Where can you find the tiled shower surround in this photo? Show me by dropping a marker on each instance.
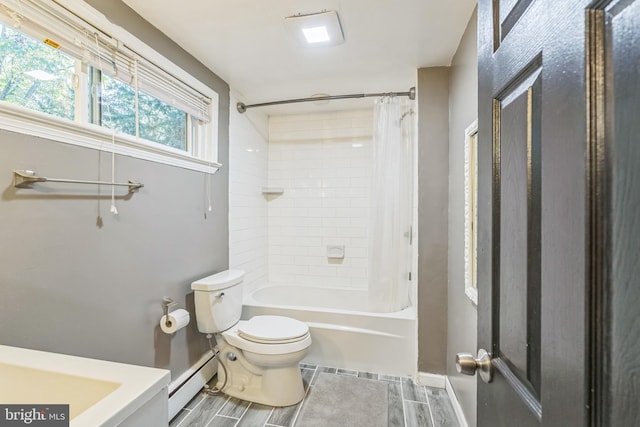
(248, 160)
(323, 162)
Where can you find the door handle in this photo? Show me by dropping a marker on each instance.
(468, 365)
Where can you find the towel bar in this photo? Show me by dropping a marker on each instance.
(26, 178)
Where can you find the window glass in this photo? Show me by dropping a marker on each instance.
(162, 123)
(35, 75)
(158, 121)
(117, 106)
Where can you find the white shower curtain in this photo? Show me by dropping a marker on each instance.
(391, 205)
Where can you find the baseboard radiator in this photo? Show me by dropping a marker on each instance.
(187, 385)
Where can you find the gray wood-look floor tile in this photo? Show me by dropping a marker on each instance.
(219, 421)
(368, 375)
(307, 377)
(194, 402)
(204, 411)
(255, 416)
(382, 377)
(441, 408)
(410, 405)
(396, 412)
(234, 408)
(321, 369)
(417, 414)
(411, 391)
(179, 417)
(284, 416)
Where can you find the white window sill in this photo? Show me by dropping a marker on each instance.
(22, 120)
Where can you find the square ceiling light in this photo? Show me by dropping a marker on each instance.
(316, 29)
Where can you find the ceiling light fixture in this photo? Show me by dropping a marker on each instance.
(316, 29)
(316, 34)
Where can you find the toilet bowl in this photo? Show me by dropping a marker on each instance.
(258, 358)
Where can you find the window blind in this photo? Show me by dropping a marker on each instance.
(62, 29)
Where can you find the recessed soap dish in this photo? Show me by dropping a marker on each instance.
(272, 190)
(335, 251)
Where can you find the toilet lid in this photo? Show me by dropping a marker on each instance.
(271, 329)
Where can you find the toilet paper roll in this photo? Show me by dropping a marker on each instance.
(178, 319)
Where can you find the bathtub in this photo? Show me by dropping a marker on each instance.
(99, 393)
(344, 334)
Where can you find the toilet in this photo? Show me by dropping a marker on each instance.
(258, 358)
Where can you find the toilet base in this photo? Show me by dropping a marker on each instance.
(275, 384)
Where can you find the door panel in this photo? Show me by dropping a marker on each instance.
(559, 211)
(623, 22)
(512, 304)
(518, 278)
(531, 276)
(507, 13)
(614, 88)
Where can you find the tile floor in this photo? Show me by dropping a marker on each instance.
(410, 405)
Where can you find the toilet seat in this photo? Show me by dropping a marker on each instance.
(264, 336)
(272, 329)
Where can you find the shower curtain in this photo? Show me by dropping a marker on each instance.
(391, 205)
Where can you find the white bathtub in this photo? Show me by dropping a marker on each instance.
(99, 393)
(344, 334)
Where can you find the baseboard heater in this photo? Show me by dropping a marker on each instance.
(187, 385)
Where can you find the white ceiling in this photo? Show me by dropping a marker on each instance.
(246, 43)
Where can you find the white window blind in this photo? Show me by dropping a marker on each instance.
(62, 29)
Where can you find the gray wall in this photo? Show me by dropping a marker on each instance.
(447, 319)
(433, 199)
(71, 286)
(462, 315)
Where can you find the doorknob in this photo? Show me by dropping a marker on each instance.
(467, 364)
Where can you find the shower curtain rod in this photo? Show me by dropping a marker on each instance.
(242, 107)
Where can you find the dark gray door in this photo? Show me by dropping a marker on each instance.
(559, 211)
(613, 101)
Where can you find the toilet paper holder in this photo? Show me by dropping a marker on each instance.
(166, 304)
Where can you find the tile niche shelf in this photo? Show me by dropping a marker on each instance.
(272, 191)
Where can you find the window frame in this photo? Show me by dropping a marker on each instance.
(81, 132)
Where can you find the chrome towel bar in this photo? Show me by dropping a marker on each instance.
(26, 179)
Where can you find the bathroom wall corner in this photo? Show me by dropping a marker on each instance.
(433, 199)
(462, 313)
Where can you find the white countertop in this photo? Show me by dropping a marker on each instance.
(138, 384)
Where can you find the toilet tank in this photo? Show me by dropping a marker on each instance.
(218, 301)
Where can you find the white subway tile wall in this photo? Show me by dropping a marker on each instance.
(248, 160)
(323, 162)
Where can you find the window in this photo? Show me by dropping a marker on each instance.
(157, 121)
(470, 211)
(55, 63)
(34, 75)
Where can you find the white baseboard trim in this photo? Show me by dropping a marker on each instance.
(455, 403)
(175, 384)
(431, 380)
(187, 385)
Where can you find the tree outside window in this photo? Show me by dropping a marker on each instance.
(34, 75)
